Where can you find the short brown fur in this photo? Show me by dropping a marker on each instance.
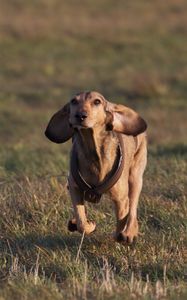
(92, 122)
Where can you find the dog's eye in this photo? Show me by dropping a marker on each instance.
(74, 101)
(97, 101)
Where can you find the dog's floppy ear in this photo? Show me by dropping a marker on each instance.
(125, 120)
(59, 129)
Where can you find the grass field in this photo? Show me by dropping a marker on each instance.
(133, 52)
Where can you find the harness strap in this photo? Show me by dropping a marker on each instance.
(94, 192)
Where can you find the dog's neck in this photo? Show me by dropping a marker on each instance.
(96, 153)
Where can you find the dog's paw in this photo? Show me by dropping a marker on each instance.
(87, 227)
(72, 226)
(125, 239)
(129, 235)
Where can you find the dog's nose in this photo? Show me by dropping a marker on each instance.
(81, 116)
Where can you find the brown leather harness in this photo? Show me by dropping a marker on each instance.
(93, 193)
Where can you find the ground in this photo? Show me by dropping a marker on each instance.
(133, 52)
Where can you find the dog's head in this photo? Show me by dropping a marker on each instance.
(91, 110)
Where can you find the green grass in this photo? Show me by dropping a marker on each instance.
(134, 53)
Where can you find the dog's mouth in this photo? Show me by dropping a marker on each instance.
(79, 125)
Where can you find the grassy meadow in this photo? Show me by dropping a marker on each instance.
(133, 52)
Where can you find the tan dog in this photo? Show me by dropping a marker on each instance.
(109, 154)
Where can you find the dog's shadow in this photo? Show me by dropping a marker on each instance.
(29, 248)
(49, 242)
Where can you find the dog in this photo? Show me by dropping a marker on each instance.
(109, 155)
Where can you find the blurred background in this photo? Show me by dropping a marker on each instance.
(134, 52)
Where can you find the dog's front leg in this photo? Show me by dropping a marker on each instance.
(120, 197)
(121, 210)
(127, 225)
(79, 222)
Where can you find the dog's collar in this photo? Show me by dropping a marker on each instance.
(94, 193)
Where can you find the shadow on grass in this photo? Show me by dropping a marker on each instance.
(58, 267)
(49, 242)
(27, 248)
(30, 242)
